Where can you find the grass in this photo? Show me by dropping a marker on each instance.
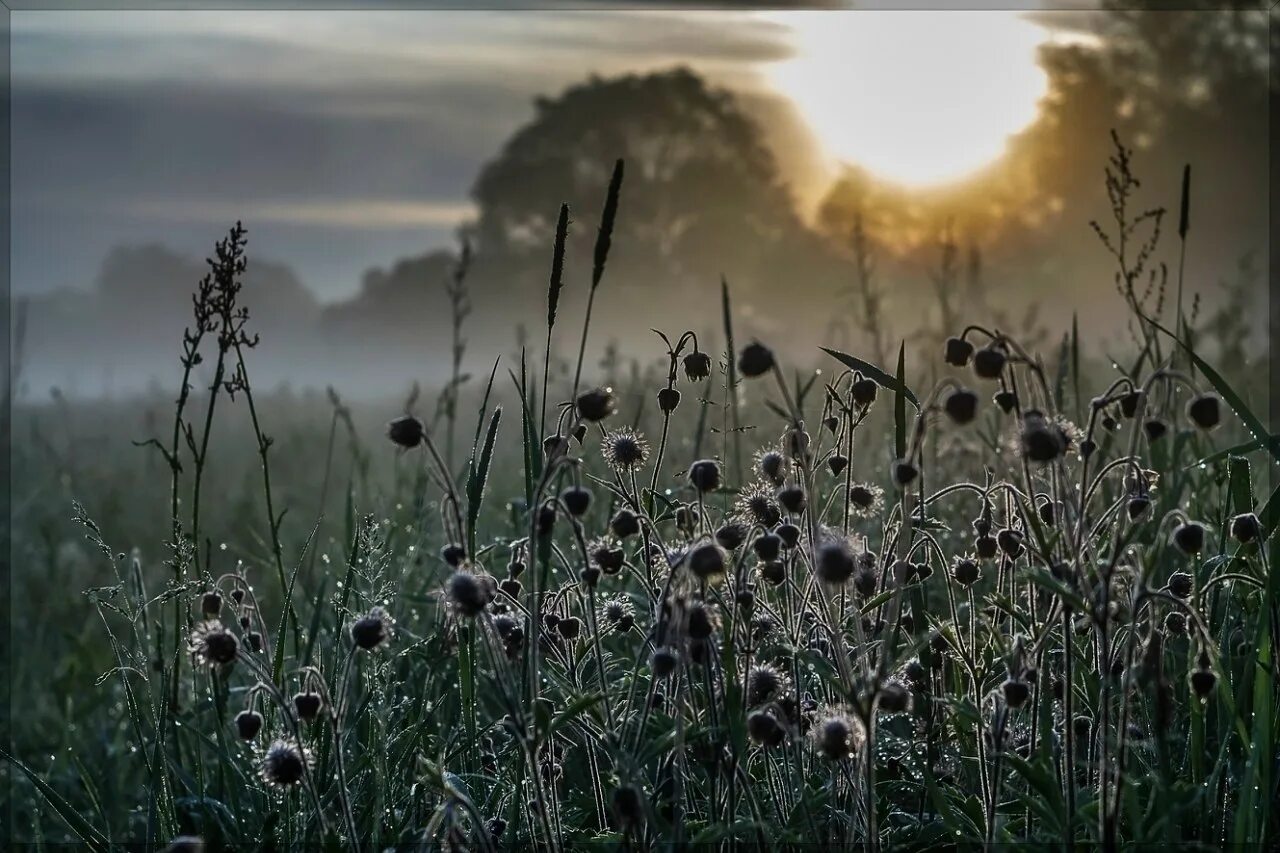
(873, 606)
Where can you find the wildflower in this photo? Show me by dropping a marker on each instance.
(1040, 441)
(407, 431)
(988, 362)
(624, 523)
(834, 561)
(767, 546)
(863, 391)
(663, 661)
(957, 352)
(697, 366)
(789, 534)
(986, 546)
(763, 684)
(961, 406)
(756, 359)
(966, 572)
(704, 475)
(1006, 400)
(372, 629)
(607, 556)
(756, 506)
(864, 582)
(211, 604)
(895, 698)
(772, 465)
(1155, 428)
(1129, 403)
(700, 620)
(466, 593)
(668, 400)
(836, 463)
(865, 499)
(792, 498)
(307, 705)
(705, 560)
(1245, 527)
(1138, 506)
(595, 405)
(618, 613)
(1189, 537)
(628, 806)
(453, 555)
(904, 473)
(1181, 584)
(576, 499)
(763, 728)
(248, 723)
(1016, 692)
(773, 572)
(1205, 411)
(569, 627)
(212, 644)
(624, 449)
(1203, 681)
(284, 764)
(837, 735)
(731, 535)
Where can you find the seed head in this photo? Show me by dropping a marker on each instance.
(307, 705)
(697, 366)
(668, 400)
(1155, 428)
(895, 698)
(1202, 682)
(211, 604)
(211, 644)
(763, 728)
(904, 473)
(1006, 400)
(767, 546)
(466, 594)
(624, 523)
(1245, 527)
(756, 506)
(755, 360)
(961, 406)
(1205, 411)
(834, 561)
(792, 498)
(988, 362)
(774, 572)
(837, 735)
(706, 560)
(1041, 440)
(406, 431)
(772, 466)
(248, 724)
(1189, 537)
(595, 405)
(663, 662)
(763, 684)
(453, 555)
(836, 463)
(789, 534)
(284, 764)
(863, 391)
(731, 535)
(1016, 692)
(624, 449)
(373, 629)
(957, 352)
(704, 475)
(577, 500)
(966, 572)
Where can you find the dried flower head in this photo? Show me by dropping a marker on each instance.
(624, 449)
(284, 764)
(764, 684)
(866, 500)
(756, 506)
(211, 644)
(372, 629)
(837, 733)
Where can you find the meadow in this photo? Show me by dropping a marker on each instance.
(981, 594)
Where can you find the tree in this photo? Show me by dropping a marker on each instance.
(702, 196)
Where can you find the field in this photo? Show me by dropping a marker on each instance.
(980, 594)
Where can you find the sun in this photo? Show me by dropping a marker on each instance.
(916, 98)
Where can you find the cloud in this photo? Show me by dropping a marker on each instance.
(341, 213)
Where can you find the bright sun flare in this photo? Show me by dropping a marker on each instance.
(917, 98)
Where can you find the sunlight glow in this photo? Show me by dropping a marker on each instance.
(916, 98)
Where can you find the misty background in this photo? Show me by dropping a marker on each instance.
(359, 149)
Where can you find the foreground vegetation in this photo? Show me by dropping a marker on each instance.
(727, 604)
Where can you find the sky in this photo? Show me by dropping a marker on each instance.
(348, 140)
